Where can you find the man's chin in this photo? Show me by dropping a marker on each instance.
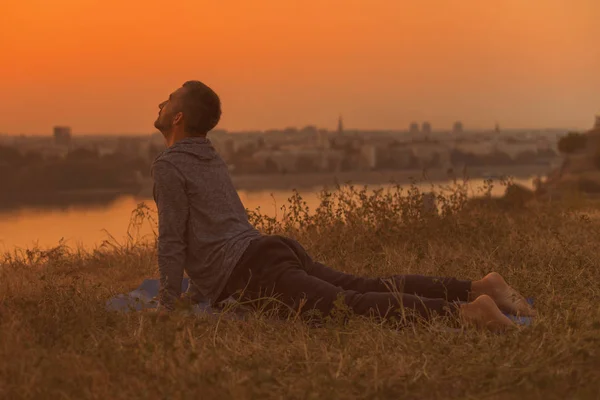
(161, 129)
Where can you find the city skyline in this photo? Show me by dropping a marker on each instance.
(383, 65)
(492, 128)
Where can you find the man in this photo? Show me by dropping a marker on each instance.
(204, 230)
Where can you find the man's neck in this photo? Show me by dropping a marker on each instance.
(178, 137)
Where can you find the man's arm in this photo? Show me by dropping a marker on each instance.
(173, 212)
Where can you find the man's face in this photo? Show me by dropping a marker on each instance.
(167, 113)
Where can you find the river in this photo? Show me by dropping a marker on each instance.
(89, 226)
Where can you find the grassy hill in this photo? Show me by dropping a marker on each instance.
(58, 341)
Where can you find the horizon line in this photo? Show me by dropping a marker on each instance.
(349, 130)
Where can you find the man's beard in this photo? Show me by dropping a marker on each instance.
(162, 125)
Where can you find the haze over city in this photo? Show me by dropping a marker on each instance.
(382, 63)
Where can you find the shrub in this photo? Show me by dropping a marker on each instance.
(572, 142)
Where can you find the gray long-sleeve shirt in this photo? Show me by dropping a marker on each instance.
(203, 227)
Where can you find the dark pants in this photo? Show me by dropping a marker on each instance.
(279, 267)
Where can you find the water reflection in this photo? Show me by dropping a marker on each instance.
(89, 226)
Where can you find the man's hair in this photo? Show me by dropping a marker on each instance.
(201, 108)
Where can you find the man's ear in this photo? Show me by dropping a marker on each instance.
(178, 118)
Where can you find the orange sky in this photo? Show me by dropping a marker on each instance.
(103, 66)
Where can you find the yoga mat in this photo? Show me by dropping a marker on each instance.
(522, 320)
(144, 298)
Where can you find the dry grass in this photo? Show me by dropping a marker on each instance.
(58, 341)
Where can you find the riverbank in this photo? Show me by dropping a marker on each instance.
(274, 182)
(90, 224)
(63, 199)
(317, 181)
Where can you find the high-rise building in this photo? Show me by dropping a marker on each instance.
(340, 127)
(426, 127)
(62, 135)
(458, 127)
(597, 125)
(413, 127)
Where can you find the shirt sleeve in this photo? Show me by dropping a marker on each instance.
(173, 212)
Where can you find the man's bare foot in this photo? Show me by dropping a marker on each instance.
(506, 298)
(484, 313)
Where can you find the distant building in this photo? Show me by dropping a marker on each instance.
(62, 135)
(476, 148)
(458, 127)
(413, 128)
(426, 127)
(323, 139)
(369, 155)
(513, 149)
(497, 128)
(53, 151)
(395, 157)
(283, 161)
(309, 130)
(130, 145)
(597, 125)
(431, 155)
(340, 127)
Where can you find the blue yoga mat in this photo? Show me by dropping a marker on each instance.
(521, 320)
(144, 297)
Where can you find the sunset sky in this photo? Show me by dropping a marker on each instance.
(103, 66)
